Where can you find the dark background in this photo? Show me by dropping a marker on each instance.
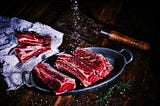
(132, 17)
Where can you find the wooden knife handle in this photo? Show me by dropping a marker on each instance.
(119, 37)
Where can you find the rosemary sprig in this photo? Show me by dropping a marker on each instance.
(108, 93)
(122, 85)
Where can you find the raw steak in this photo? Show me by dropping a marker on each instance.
(69, 63)
(56, 81)
(26, 52)
(88, 67)
(32, 38)
(31, 44)
(97, 62)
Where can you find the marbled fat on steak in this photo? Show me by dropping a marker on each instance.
(32, 38)
(87, 66)
(70, 64)
(31, 44)
(97, 62)
(56, 81)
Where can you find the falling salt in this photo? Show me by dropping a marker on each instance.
(106, 104)
(35, 103)
(77, 100)
(76, 17)
(87, 96)
(96, 96)
(41, 100)
(121, 93)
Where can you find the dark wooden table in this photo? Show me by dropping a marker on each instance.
(138, 82)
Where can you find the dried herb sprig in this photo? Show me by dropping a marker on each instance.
(119, 85)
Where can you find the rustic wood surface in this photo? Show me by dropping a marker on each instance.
(122, 16)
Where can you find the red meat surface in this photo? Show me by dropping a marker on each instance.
(97, 62)
(31, 44)
(32, 38)
(87, 66)
(26, 52)
(56, 81)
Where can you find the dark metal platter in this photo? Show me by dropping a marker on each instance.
(119, 60)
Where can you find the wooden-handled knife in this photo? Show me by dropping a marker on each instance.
(121, 38)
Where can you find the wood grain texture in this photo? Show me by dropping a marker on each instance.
(111, 15)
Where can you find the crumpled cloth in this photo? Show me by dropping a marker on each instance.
(13, 69)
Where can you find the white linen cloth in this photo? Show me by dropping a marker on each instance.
(8, 28)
